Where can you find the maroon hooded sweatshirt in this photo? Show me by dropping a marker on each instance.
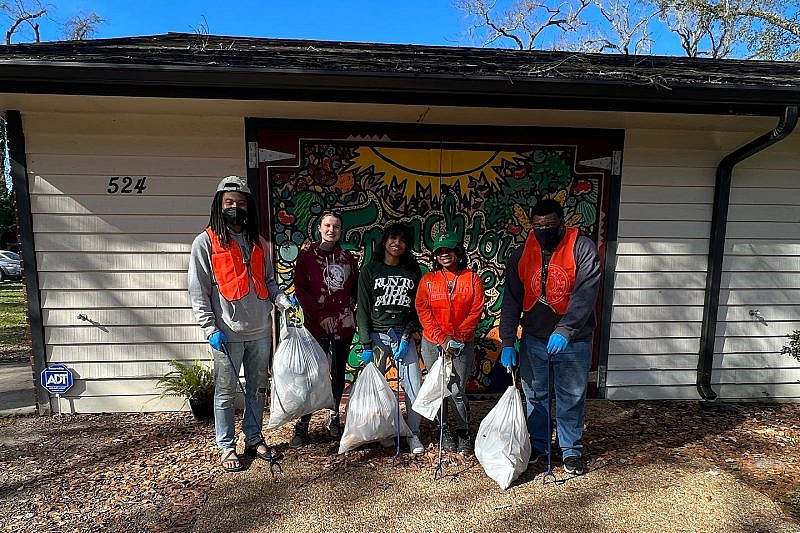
(326, 284)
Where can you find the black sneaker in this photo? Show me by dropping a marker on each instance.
(537, 456)
(574, 465)
(448, 444)
(464, 444)
(300, 438)
(334, 426)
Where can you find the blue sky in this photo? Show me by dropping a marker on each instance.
(406, 21)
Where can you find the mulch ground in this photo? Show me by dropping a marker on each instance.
(156, 472)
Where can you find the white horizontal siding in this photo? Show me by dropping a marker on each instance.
(758, 266)
(128, 316)
(100, 353)
(733, 392)
(80, 185)
(115, 242)
(113, 280)
(101, 261)
(120, 260)
(104, 298)
(122, 334)
(119, 402)
(659, 362)
(131, 224)
(662, 256)
(123, 205)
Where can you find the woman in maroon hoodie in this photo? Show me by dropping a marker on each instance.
(326, 283)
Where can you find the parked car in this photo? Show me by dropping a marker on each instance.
(10, 266)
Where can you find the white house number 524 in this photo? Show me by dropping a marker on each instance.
(125, 185)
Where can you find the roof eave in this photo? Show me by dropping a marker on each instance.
(218, 82)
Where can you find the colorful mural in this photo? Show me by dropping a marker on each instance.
(481, 193)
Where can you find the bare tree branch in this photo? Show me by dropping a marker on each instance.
(526, 24)
(22, 15)
(81, 27)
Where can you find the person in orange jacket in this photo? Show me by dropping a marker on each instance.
(449, 303)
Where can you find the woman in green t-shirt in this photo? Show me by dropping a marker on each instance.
(387, 317)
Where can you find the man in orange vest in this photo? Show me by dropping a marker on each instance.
(232, 291)
(550, 289)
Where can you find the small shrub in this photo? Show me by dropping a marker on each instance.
(793, 349)
(189, 380)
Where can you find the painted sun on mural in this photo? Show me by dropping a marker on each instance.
(482, 193)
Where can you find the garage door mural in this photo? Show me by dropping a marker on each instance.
(481, 191)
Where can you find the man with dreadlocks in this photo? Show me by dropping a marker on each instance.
(232, 290)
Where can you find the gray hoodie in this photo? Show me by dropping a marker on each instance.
(243, 320)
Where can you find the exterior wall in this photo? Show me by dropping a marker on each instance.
(761, 273)
(121, 259)
(665, 214)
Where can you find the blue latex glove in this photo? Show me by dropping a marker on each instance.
(367, 356)
(217, 341)
(401, 349)
(556, 344)
(508, 357)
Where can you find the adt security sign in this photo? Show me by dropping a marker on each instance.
(57, 379)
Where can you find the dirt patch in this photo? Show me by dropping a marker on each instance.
(104, 472)
(656, 466)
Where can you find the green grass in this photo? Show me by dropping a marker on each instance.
(14, 333)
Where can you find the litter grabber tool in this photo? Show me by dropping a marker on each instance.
(438, 472)
(271, 457)
(549, 475)
(388, 359)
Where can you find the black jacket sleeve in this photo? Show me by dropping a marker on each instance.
(584, 295)
(512, 300)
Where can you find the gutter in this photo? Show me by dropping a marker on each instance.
(236, 83)
(716, 248)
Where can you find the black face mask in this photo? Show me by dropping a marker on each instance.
(235, 216)
(548, 238)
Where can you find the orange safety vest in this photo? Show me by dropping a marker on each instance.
(561, 272)
(232, 273)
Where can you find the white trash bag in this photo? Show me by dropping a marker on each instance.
(434, 388)
(503, 445)
(301, 377)
(371, 411)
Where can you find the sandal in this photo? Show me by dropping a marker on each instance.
(230, 458)
(251, 450)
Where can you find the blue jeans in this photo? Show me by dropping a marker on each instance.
(570, 376)
(255, 356)
(408, 367)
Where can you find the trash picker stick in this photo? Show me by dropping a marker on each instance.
(439, 471)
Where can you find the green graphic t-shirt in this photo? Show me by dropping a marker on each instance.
(386, 297)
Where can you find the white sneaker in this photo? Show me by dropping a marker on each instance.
(415, 445)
